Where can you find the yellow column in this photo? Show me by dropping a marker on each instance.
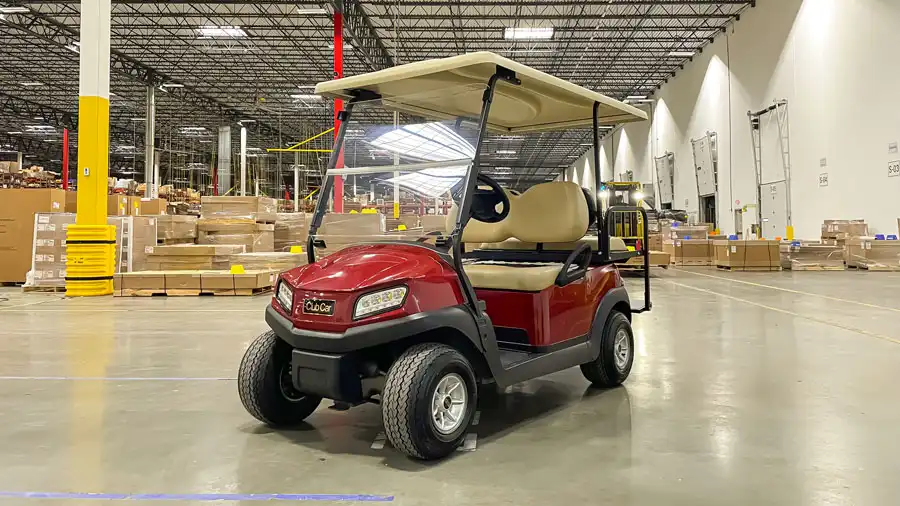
(90, 261)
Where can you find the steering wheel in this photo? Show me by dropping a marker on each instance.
(485, 201)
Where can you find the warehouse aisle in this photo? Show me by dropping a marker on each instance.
(766, 395)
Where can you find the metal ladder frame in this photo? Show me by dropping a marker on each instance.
(780, 109)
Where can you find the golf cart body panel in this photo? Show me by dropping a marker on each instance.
(545, 321)
(354, 271)
(450, 88)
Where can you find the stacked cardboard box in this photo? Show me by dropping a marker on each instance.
(176, 229)
(135, 239)
(259, 209)
(269, 261)
(692, 232)
(17, 210)
(434, 223)
(255, 237)
(71, 202)
(747, 255)
(138, 206)
(291, 229)
(117, 205)
(689, 252)
(184, 257)
(190, 283)
(246, 221)
(868, 253)
(809, 256)
(840, 230)
(9, 167)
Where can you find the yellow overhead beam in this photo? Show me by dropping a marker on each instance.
(295, 147)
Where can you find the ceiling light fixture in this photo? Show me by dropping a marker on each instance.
(171, 85)
(505, 152)
(14, 9)
(304, 11)
(635, 97)
(347, 45)
(681, 54)
(528, 33)
(14, 133)
(138, 119)
(306, 97)
(221, 31)
(33, 83)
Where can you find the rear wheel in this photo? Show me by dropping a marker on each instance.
(265, 385)
(613, 365)
(428, 401)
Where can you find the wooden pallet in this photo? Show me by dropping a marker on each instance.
(246, 292)
(44, 289)
(16, 284)
(748, 269)
(880, 268)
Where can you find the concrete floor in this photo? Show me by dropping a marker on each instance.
(748, 389)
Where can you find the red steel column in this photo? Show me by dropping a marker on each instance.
(338, 107)
(65, 159)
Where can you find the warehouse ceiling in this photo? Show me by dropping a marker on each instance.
(217, 63)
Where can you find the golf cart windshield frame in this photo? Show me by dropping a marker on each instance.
(469, 186)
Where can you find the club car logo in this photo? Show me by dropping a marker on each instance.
(322, 307)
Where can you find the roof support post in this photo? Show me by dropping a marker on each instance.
(338, 104)
(91, 243)
(149, 142)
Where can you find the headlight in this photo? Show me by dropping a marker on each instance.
(285, 296)
(379, 302)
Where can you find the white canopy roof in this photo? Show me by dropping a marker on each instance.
(450, 88)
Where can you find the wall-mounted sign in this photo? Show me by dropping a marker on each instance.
(894, 168)
(823, 179)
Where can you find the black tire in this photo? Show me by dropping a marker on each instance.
(606, 371)
(265, 386)
(408, 393)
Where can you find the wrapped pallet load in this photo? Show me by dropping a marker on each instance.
(291, 229)
(245, 221)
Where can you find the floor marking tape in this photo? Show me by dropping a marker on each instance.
(197, 497)
(836, 299)
(470, 443)
(379, 442)
(785, 311)
(108, 378)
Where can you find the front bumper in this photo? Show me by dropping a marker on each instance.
(372, 334)
(329, 364)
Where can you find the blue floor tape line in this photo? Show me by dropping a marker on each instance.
(105, 378)
(198, 497)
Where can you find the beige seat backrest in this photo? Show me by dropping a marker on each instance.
(548, 213)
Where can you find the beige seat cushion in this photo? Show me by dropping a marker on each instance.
(528, 278)
(615, 244)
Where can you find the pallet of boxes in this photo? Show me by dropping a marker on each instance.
(689, 246)
(878, 252)
(227, 226)
(734, 254)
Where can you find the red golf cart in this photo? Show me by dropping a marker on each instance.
(516, 288)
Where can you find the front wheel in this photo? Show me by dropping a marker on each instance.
(265, 385)
(429, 401)
(613, 365)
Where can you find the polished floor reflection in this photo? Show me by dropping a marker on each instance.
(768, 388)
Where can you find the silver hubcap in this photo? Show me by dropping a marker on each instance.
(622, 349)
(448, 404)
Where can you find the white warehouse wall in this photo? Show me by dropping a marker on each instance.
(835, 62)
